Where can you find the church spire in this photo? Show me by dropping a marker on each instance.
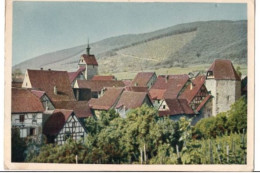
(88, 48)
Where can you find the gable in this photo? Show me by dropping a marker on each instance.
(26, 81)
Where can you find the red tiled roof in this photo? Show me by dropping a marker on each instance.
(108, 100)
(74, 75)
(98, 77)
(17, 84)
(137, 89)
(203, 103)
(175, 85)
(56, 121)
(24, 101)
(142, 78)
(46, 80)
(157, 94)
(131, 99)
(177, 107)
(127, 82)
(224, 69)
(190, 92)
(38, 93)
(98, 85)
(90, 59)
(80, 108)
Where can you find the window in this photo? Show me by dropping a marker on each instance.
(67, 135)
(34, 118)
(21, 118)
(23, 133)
(227, 99)
(164, 106)
(32, 131)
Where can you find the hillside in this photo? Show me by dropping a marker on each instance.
(177, 46)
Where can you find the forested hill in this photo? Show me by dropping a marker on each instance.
(179, 45)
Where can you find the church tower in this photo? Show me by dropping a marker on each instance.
(90, 64)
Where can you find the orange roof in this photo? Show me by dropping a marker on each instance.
(190, 92)
(74, 75)
(80, 108)
(157, 94)
(45, 80)
(98, 85)
(223, 70)
(131, 99)
(203, 103)
(142, 78)
(98, 77)
(108, 100)
(177, 107)
(90, 59)
(24, 101)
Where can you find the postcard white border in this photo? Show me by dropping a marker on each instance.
(124, 167)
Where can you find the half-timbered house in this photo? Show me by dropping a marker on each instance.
(27, 114)
(63, 124)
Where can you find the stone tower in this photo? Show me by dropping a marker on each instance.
(90, 64)
(224, 84)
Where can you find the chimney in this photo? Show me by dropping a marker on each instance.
(55, 90)
(191, 86)
(49, 69)
(41, 68)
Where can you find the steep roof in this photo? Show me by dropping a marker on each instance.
(24, 101)
(90, 59)
(137, 89)
(224, 70)
(203, 102)
(127, 82)
(38, 93)
(74, 75)
(175, 85)
(157, 94)
(190, 92)
(45, 80)
(98, 85)
(80, 108)
(99, 77)
(131, 99)
(56, 121)
(177, 107)
(142, 78)
(108, 100)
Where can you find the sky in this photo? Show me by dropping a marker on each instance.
(43, 27)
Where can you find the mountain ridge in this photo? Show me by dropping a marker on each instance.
(182, 44)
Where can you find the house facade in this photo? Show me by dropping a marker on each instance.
(27, 114)
(62, 125)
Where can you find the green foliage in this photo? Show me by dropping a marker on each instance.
(18, 146)
(144, 137)
(234, 120)
(237, 115)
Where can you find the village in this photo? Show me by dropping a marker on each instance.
(55, 104)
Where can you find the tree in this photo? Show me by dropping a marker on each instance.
(18, 146)
(237, 115)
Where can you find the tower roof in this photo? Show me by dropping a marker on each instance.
(90, 59)
(223, 70)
